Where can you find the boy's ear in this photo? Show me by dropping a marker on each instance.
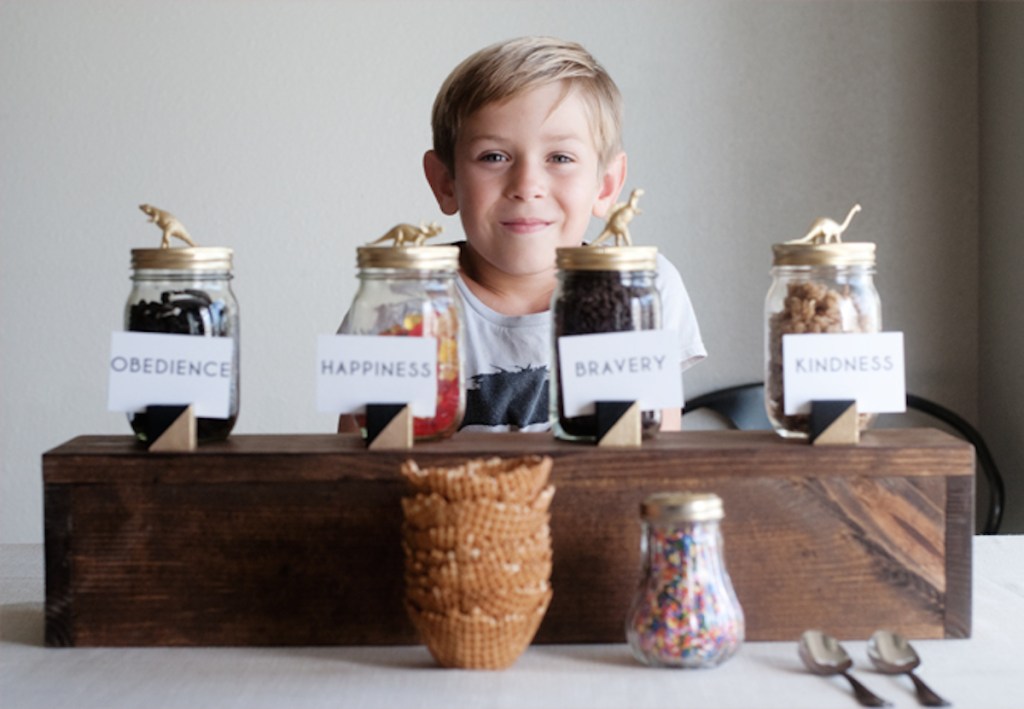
(441, 182)
(613, 178)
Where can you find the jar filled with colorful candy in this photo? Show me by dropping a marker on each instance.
(685, 613)
(407, 289)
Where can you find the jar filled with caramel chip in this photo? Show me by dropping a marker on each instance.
(820, 285)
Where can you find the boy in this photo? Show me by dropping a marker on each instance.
(526, 148)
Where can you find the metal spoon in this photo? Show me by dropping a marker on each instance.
(823, 655)
(892, 654)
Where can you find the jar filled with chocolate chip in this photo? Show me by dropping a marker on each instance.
(601, 289)
(186, 291)
(408, 290)
(820, 285)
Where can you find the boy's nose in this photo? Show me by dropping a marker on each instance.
(526, 181)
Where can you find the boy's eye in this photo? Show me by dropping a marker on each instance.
(492, 157)
(561, 158)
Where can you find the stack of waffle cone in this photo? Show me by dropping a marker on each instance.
(478, 557)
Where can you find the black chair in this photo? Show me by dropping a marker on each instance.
(742, 407)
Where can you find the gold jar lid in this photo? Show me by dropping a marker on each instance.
(402, 247)
(191, 258)
(835, 254)
(823, 246)
(413, 258)
(682, 507)
(607, 258)
(194, 258)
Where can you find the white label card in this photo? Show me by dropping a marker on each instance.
(154, 369)
(355, 370)
(868, 367)
(640, 366)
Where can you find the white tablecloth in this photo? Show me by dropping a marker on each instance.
(985, 671)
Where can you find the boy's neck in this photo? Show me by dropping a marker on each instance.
(505, 293)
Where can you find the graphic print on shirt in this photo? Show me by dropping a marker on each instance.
(518, 397)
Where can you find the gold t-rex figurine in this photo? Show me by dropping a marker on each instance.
(406, 234)
(826, 231)
(618, 221)
(169, 223)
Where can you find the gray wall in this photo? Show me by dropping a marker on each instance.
(292, 132)
(1001, 302)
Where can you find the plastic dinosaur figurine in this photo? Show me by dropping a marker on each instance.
(826, 231)
(618, 221)
(169, 223)
(406, 234)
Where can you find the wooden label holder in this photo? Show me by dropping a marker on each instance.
(388, 426)
(618, 424)
(834, 422)
(171, 429)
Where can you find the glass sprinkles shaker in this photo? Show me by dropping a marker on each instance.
(685, 613)
(819, 285)
(408, 289)
(185, 291)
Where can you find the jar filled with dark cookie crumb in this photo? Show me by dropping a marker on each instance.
(186, 291)
(817, 288)
(602, 289)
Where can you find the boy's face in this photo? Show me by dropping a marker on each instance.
(527, 179)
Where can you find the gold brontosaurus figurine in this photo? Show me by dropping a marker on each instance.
(826, 231)
(406, 234)
(170, 225)
(618, 221)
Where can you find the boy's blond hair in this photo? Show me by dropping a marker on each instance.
(501, 71)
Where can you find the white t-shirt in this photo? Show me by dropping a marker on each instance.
(507, 358)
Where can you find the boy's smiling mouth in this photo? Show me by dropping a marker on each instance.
(525, 225)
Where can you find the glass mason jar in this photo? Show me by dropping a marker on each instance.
(410, 291)
(601, 289)
(186, 291)
(816, 288)
(685, 613)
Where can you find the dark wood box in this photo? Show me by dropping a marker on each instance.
(294, 539)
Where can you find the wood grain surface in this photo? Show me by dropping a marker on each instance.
(294, 539)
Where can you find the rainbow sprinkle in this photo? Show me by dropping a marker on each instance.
(686, 613)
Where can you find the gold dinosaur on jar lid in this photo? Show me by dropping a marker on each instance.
(407, 250)
(622, 256)
(190, 258)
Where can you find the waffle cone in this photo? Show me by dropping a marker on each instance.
(498, 603)
(483, 518)
(477, 640)
(502, 479)
(476, 577)
(477, 545)
(430, 546)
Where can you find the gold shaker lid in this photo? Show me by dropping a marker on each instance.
(823, 246)
(402, 247)
(190, 258)
(682, 507)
